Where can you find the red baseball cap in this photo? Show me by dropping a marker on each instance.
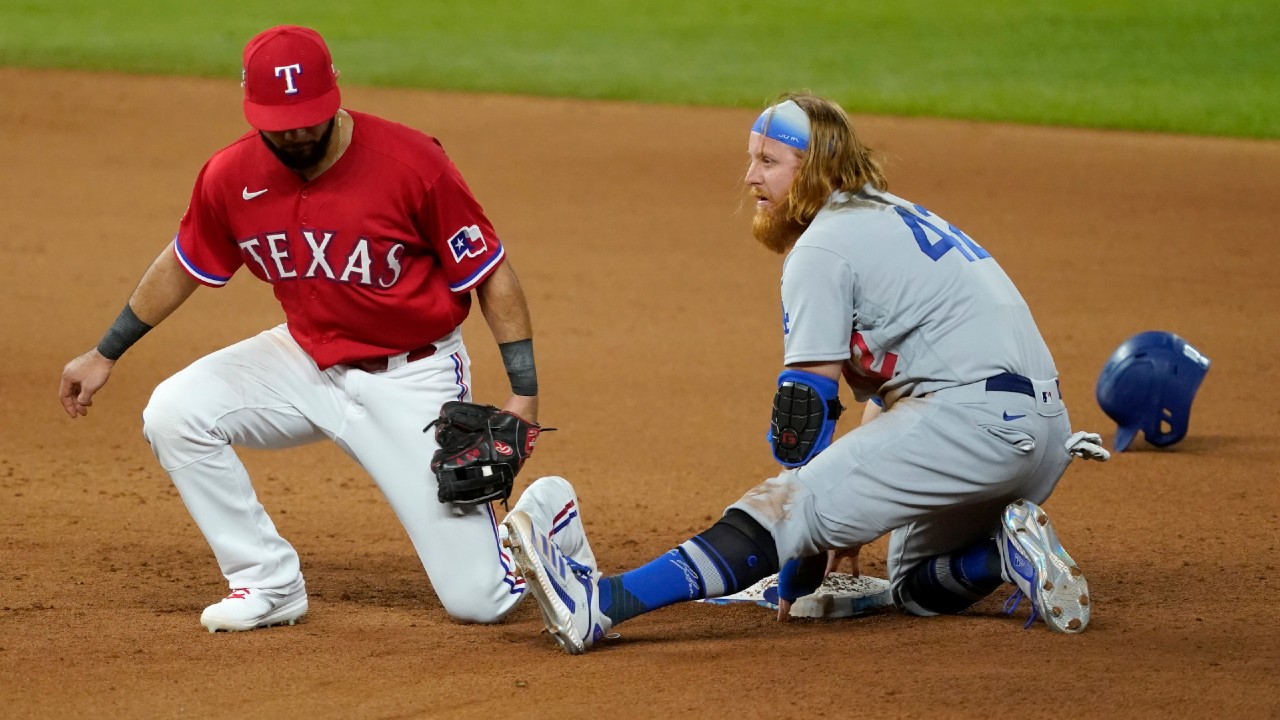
(289, 80)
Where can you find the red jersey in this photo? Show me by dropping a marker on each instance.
(375, 257)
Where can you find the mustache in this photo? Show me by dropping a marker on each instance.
(774, 230)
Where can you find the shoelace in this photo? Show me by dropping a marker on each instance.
(1011, 606)
(577, 567)
(239, 593)
(586, 572)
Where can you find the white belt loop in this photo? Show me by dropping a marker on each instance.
(397, 361)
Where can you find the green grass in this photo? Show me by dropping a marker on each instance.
(1186, 66)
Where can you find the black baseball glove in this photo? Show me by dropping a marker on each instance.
(481, 450)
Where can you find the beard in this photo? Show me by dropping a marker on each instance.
(773, 229)
(302, 156)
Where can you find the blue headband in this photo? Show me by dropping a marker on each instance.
(785, 122)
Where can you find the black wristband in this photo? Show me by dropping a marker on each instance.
(517, 356)
(123, 333)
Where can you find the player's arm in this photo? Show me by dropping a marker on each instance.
(464, 239)
(817, 321)
(163, 288)
(506, 311)
(828, 370)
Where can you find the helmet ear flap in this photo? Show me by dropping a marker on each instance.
(1169, 427)
(1183, 380)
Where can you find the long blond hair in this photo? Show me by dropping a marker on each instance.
(836, 159)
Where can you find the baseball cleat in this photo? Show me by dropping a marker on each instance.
(552, 504)
(251, 608)
(564, 589)
(1033, 559)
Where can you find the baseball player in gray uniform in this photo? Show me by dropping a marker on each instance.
(964, 435)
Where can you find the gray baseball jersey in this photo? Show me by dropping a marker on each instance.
(923, 317)
(912, 302)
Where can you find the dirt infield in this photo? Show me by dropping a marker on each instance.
(658, 343)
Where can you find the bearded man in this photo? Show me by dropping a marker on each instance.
(964, 433)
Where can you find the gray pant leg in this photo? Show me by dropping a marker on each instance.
(938, 467)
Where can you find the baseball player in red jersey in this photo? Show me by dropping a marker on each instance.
(373, 244)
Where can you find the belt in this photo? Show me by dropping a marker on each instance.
(1009, 382)
(381, 364)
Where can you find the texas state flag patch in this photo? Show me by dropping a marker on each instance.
(467, 242)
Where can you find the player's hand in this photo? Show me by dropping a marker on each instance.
(81, 379)
(835, 557)
(523, 406)
(797, 578)
(834, 560)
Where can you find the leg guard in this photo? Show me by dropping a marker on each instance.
(732, 555)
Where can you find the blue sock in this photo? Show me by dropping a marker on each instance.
(731, 555)
(666, 580)
(979, 564)
(948, 584)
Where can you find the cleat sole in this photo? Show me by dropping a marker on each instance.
(1061, 590)
(530, 568)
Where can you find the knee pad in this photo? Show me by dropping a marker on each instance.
(761, 539)
(733, 554)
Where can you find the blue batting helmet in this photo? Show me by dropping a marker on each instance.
(1148, 384)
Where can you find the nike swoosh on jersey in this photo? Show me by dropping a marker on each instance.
(1008, 417)
(251, 195)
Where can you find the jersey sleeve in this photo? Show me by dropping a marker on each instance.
(817, 306)
(204, 245)
(457, 227)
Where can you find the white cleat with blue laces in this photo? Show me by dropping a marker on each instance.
(564, 589)
(1034, 560)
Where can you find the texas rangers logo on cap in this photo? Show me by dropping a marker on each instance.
(467, 242)
(289, 80)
